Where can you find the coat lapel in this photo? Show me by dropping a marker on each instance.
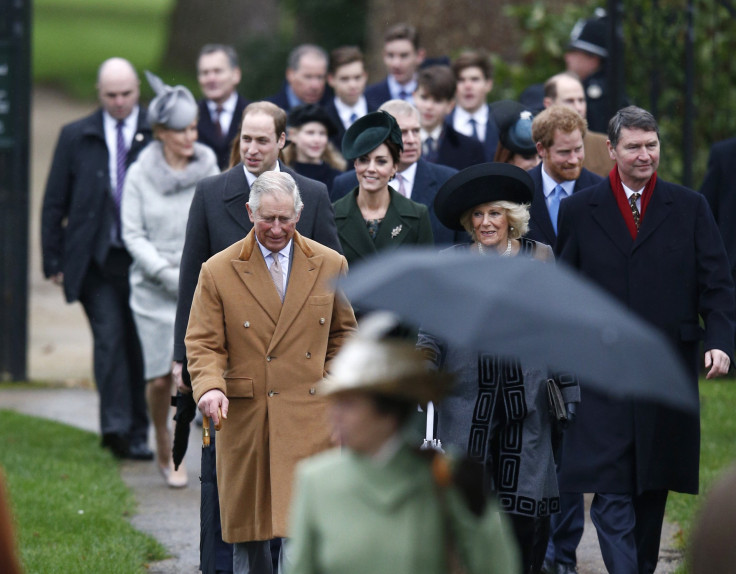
(351, 226)
(538, 211)
(235, 195)
(399, 219)
(605, 212)
(303, 274)
(253, 272)
(659, 208)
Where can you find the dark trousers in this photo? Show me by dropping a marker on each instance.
(118, 361)
(566, 529)
(629, 529)
(531, 534)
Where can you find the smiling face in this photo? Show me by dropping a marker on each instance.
(310, 141)
(472, 89)
(275, 221)
(178, 144)
(349, 81)
(375, 170)
(217, 78)
(259, 144)
(636, 155)
(563, 160)
(401, 59)
(490, 225)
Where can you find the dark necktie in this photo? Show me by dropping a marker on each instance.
(216, 122)
(352, 119)
(474, 126)
(121, 155)
(403, 95)
(634, 209)
(429, 149)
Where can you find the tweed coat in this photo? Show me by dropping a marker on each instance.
(406, 223)
(672, 275)
(156, 201)
(267, 359)
(78, 208)
(352, 515)
(597, 159)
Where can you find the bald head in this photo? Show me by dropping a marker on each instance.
(118, 87)
(565, 90)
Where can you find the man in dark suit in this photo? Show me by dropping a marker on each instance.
(435, 98)
(83, 250)
(402, 56)
(655, 247)
(471, 116)
(415, 178)
(218, 73)
(347, 77)
(558, 132)
(719, 188)
(306, 74)
(218, 218)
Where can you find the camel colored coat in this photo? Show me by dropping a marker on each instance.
(267, 358)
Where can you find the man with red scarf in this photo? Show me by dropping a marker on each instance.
(655, 247)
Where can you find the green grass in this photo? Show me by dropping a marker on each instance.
(718, 450)
(72, 37)
(69, 503)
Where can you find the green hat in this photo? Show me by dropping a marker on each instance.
(368, 132)
(479, 184)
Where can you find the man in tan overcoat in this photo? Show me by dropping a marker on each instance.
(264, 325)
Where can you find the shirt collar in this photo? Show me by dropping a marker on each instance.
(251, 177)
(395, 87)
(227, 106)
(435, 133)
(480, 115)
(629, 192)
(129, 123)
(345, 111)
(294, 101)
(285, 252)
(549, 184)
(409, 174)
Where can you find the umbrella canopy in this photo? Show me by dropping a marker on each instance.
(541, 313)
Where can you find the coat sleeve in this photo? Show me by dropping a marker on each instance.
(196, 251)
(206, 341)
(57, 198)
(424, 233)
(343, 324)
(135, 234)
(325, 229)
(566, 248)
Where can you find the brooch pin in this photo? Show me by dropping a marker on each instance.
(395, 231)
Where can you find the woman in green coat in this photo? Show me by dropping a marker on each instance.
(380, 504)
(374, 216)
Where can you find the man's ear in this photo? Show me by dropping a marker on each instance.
(250, 213)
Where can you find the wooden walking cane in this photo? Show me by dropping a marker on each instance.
(206, 428)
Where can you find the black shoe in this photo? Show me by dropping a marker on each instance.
(117, 443)
(140, 451)
(561, 568)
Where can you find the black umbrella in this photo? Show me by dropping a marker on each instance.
(186, 408)
(540, 313)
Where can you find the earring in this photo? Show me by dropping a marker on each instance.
(511, 228)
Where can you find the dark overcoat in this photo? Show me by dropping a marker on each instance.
(78, 209)
(540, 224)
(673, 273)
(457, 150)
(406, 223)
(491, 142)
(218, 218)
(427, 182)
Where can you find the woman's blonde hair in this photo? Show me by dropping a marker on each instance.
(517, 215)
(330, 156)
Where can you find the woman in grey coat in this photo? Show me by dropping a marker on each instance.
(158, 190)
(498, 410)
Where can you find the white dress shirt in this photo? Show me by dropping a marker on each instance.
(549, 185)
(461, 121)
(111, 140)
(226, 115)
(409, 175)
(346, 112)
(629, 192)
(395, 88)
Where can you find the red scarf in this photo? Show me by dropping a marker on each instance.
(623, 203)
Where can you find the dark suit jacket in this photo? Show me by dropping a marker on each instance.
(406, 223)
(207, 134)
(540, 224)
(672, 274)
(335, 117)
(457, 150)
(377, 94)
(218, 218)
(491, 142)
(719, 188)
(78, 192)
(282, 100)
(429, 178)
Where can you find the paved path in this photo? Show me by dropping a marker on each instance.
(60, 351)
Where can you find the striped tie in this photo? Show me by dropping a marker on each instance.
(121, 155)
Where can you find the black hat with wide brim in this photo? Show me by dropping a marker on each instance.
(368, 132)
(479, 184)
(308, 113)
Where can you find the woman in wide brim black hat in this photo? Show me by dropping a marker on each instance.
(374, 216)
(310, 152)
(498, 409)
(515, 143)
